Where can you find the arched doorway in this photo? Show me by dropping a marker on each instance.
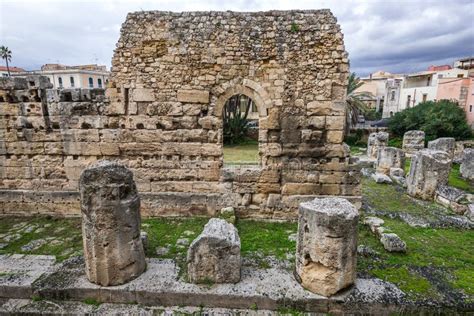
(240, 131)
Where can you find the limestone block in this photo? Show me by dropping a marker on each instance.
(392, 243)
(429, 169)
(413, 141)
(326, 250)
(214, 256)
(446, 144)
(467, 164)
(193, 96)
(143, 95)
(376, 141)
(389, 157)
(110, 208)
(381, 178)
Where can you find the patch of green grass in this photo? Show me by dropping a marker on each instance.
(357, 151)
(267, 238)
(410, 283)
(65, 234)
(385, 197)
(449, 249)
(91, 301)
(243, 153)
(457, 181)
(395, 142)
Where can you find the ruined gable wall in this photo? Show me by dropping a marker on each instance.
(173, 72)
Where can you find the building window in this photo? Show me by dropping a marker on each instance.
(391, 113)
(408, 101)
(428, 81)
(99, 83)
(71, 79)
(440, 76)
(470, 108)
(425, 97)
(392, 96)
(60, 81)
(460, 76)
(91, 83)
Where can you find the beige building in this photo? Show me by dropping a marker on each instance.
(13, 70)
(374, 88)
(68, 77)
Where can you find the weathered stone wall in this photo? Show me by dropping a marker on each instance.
(161, 116)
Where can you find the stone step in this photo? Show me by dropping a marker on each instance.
(162, 285)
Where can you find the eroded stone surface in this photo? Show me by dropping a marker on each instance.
(389, 157)
(447, 144)
(214, 256)
(428, 169)
(110, 208)
(413, 141)
(467, 164)
(327, 245)
(392, 243)
(375, 142)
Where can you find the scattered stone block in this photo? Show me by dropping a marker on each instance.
(470, 212)
(367, 172)
(392, 243)
(144, 239)
(373, 222)
(413, 141)
(467, 164)
(429, 169)
(381, 178)
(214, 256)
(447, 144)
(375, 142)
(110, 208)
(456, 199)
(326, 251)
(366, 251)
(389, 157)
(397, 172)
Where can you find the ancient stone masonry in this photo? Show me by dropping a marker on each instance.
(326, 249)
(413, 141)
(110, 205)
(388, 158)
(467, 164)
(375, 142)
(161, 117)
(428, 170)
(446, 144)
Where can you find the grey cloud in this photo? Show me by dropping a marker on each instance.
(396, 36)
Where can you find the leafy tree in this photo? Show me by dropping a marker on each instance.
(443, 118)
(234, 115)
(7, 55)
(355, 105)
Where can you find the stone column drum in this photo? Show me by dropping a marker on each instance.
(326, 250)
(110, 209)
(447, 144)
(429, 169)
(375, 142)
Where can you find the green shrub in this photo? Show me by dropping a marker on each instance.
(372, 115)
(395, 142)
(356, 139)
(442, 118)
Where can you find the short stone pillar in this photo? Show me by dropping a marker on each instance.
(429, 169)
(447, 144)
(376, 141)
(326, 249)
(110, 209)
(214, 256)
(413, 141)
(467, 164)
(390, 157)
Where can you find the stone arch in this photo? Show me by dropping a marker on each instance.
(241, 86)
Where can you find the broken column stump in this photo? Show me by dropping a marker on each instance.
(390, 157)
(375, 142)
(110, 208)
(428, 170)
(326, 250)
(214, 256)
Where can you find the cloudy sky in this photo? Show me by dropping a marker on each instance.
(396, 36)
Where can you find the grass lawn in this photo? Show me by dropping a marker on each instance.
(246, 153)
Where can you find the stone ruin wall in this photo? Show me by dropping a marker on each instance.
(161, 117)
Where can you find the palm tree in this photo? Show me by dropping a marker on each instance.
(354, 101)
(7, 55)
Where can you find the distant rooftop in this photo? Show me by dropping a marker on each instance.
(91, 67)
(12, 69)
